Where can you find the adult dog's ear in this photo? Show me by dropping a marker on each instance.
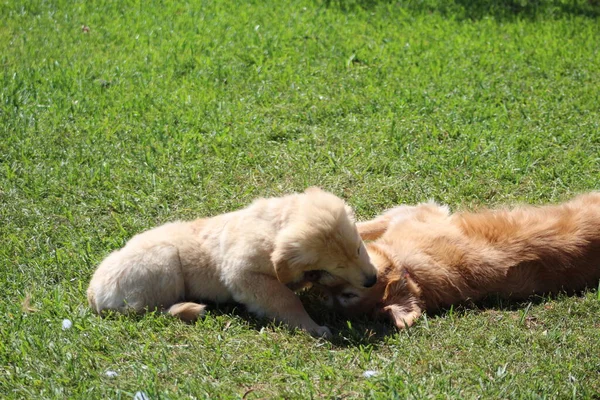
(401, 303)
(402, 316)
(291, 259)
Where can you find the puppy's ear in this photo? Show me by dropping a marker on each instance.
(349, 212)
(402, 316)
(290, 260)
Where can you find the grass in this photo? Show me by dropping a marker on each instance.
(172, 110)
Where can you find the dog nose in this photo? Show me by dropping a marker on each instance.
(370, 281)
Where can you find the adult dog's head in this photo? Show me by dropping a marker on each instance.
(321, 235)
(395, 295)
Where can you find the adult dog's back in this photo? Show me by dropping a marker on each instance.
(537, 249)
(428, 258)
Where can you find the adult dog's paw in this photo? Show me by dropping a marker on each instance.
(322, 332)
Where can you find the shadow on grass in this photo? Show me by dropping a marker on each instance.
(478, 9)
(346, 333)
(369, 331)
(363, 331)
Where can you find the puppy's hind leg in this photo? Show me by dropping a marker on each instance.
(187, 311)
(138, 278)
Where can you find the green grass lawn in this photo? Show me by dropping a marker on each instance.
(117, 116)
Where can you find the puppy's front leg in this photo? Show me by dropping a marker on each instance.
(265, 295)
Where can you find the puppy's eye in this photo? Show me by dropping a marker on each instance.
(348, 295)
(358, 251)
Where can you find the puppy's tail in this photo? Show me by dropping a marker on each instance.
(187, 311)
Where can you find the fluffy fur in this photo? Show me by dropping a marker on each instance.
(255, 256)
(429, 259)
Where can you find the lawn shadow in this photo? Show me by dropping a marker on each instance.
(233, 309)
(346, 333)
(373, 331)
(364, 330)
(499, 303)
(478, 9)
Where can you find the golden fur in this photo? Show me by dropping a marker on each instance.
(255, 256)
(429, 259)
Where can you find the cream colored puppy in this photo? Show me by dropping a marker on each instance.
(254, 256)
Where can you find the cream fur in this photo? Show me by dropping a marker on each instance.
(247, 256)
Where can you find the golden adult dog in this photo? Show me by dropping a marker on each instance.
(429, 259)
(247, 256)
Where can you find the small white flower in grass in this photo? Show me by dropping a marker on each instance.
(141, 396)
(111, 374)
(66, 324)
(370, 373)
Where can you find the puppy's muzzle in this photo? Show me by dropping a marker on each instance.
(313, 276)
(370, 281)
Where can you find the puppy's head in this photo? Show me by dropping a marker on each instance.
(322, 235)
(394, 296)
(350, 300)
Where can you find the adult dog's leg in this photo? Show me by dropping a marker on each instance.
(374, 229)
